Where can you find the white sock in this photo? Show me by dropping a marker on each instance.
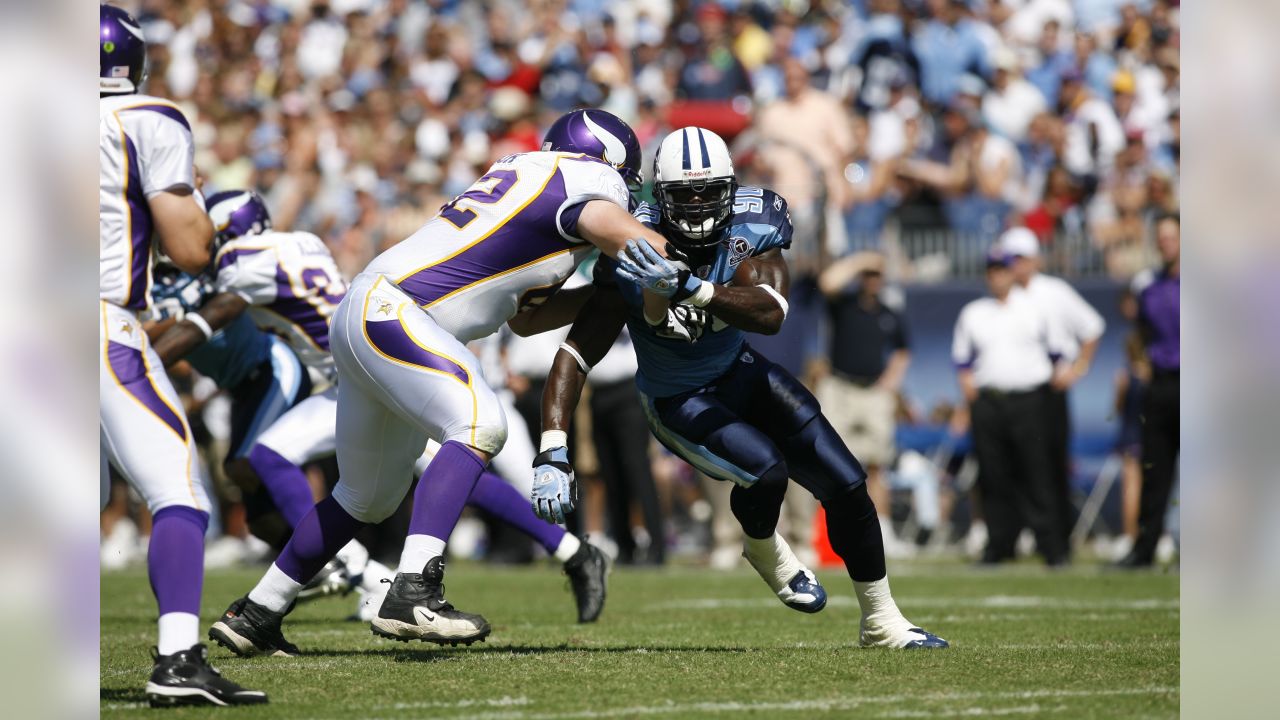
(373, 575)
(567, 548)
(772, 558)
(761, 548)
(876, 601)
(178, 632)
(275, 591)
(418, 551)
(354, 556)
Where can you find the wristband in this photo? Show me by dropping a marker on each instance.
(553, 439)
(776, 296)
(201, 324)
(582, 364)
(702, 295)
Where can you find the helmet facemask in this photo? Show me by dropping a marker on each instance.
(697, 211)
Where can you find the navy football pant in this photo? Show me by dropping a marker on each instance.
(756, 426)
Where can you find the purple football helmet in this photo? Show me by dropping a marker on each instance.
(601, 135)
(122, 52)
(236, 213)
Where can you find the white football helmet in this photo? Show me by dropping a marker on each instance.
(694, 184)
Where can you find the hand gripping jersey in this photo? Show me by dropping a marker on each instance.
(506, 244)
(671, 365)
(144, 148)
(292, 286)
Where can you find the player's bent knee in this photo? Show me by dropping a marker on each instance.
(776, 477)
(366, 509)
(487, 438)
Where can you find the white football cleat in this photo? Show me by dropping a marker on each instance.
(794, 584)
(897, 633)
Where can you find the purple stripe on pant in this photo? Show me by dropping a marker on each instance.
(131, 372)
(175, 558)
(139, 232)
(392, 339)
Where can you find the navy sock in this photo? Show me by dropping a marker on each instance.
(757, 507)
(854, 531)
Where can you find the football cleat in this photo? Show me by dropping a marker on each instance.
(588, 572)
(899, 634)
(415, 609)
(333, 579)
(249, 629)
(187, 678)
(794, 584)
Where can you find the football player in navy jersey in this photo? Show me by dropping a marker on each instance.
(708, 396)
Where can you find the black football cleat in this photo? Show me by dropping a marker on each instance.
(249, 629)
(588, 572)
(187, 678)
(415, 609)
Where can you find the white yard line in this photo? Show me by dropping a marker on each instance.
(840, 704)
(1028, 602)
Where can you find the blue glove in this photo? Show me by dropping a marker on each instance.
(640, 264)
(554, 491)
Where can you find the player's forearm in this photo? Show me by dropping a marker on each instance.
(563, 391)
(968, 388)
(1084, 360)
(753, 309)
(896, 370)
(177, 341)
(559, 310)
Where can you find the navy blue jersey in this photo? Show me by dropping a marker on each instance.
(232, 353)
(671, 365)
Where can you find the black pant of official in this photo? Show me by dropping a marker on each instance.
(621, 436)
(1011, 441)
(1058, 419)
(1160, 446)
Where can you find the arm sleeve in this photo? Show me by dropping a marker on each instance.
(247, 272)
(168, 159)
(1085, 323)
(586, 180)
(776, 215)
(901, 338)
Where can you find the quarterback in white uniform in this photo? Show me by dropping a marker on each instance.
(498, 253)
(147, 189)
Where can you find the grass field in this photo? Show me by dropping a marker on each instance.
(688, 643)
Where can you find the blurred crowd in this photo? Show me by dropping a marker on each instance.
(920, 130)
(931, 122)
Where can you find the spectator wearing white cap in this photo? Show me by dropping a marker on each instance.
(1081, 328)
(1005, 349)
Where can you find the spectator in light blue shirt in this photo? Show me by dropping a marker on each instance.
(1054, 62)
(948, 46)
(1098, 67)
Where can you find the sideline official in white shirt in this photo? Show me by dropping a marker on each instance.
(1082, 328)
(1005, 350)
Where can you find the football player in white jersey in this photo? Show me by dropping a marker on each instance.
(498, 253)
(288, 284)
(147, 189)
